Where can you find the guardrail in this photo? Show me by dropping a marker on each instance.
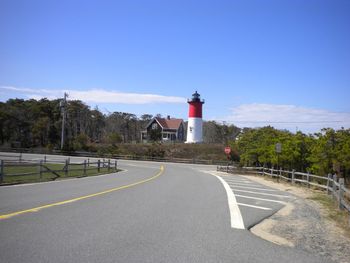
(330, 183)
(15, 168)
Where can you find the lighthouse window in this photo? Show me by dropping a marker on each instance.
(191, 128)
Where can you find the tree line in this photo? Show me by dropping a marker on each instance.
(327, 151)
(38, 123)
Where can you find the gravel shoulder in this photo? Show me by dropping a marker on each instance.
(304, 224)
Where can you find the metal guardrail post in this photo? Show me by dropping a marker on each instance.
(341, 193)
(88, 162)
(293, 176)
(45, 159)
(109, 164)
(1, 171)
(98, 165)
(308, 179)
(20, 157)
(115, 165)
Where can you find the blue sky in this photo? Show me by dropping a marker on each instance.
(284, 63)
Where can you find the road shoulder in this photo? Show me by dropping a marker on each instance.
(303, 223)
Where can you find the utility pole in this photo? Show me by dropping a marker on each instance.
(63, 110)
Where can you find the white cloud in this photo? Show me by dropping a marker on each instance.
(98, 96)
(289, 117)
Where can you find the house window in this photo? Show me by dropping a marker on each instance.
(154, 126)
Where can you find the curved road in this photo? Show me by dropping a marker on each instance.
(177, 214)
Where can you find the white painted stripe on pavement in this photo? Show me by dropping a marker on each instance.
(246, 184)
(237, 181)
(256, 188)
(251, 192)
(236, 178)
(235, 213)
(262, 199)
(255, 206)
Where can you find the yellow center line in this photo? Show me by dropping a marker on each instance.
(35, 209)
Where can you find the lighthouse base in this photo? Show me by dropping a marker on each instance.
(194, 130)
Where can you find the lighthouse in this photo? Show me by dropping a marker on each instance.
(195, 122)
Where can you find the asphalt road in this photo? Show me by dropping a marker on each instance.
(180, 215)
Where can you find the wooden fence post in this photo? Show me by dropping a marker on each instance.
(40, 169)
(334, 186)
(84, 171)
(328, 182)
(279, 175)
(66, 168)
(1, 171)
(263, 170)
(98, 165)
(341, 193)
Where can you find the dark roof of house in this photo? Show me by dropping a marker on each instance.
(166, 123)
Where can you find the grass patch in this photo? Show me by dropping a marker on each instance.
(28, 173)
(340, 217)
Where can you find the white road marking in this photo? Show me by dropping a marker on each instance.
(235, 213)
(256, 188)
(246, 184)
(255, 206)
(237, 178)
(261, 199)
(251, 192)
(238, 181)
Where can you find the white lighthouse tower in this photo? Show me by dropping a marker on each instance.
(195, 122)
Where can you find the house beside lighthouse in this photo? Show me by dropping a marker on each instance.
(195, 122)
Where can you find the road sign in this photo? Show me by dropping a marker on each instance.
(227, 150)
(278, 147)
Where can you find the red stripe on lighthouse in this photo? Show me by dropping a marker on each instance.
(195, 109)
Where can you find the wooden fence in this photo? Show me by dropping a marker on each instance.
(16, 169)
(114, 156)
(330, 183)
